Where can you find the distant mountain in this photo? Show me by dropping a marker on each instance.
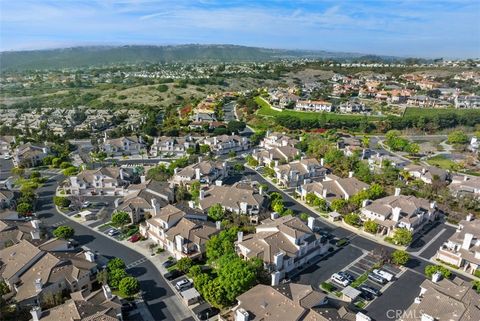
(110, 55)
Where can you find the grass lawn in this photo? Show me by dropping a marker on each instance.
(360, 280)
(267, 110)
(417, 112)
(441, 161)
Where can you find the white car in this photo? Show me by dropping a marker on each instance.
(183, 284)
(337, 278)
(7, 157)
(383, 274)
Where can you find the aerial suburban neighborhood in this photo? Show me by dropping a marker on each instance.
(145, 182)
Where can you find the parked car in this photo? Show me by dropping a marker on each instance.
(135, 238)
(86, 204)
(173, 274)
(376, 278)
(347, 276)
(183, 285)
(367, 295)
(383, 274)
(339, 279)
(113, 232)
(168, 263)
(207, 313)
(7, 157)
(128, 306)
(373, 291)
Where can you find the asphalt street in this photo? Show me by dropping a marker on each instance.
(154, 287)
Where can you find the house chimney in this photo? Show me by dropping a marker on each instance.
(200, 159)
(218, 225)
(107, 292)
(350, 174)
(191, 204)
(275, 278)
(121, 174)
(396, 213)
(36, 313)
(241, 315)
(90, 256)
(201, 194)
(44, 150)
(467, 241)
(324, 193)
(143, 179)
(116, 202)
(397, 191)
(197, 173)
(274, 215)
(218, 182)
(260, 190)
(278, 260)
(365, 202)
(437, 276)
(175, 170)
(311, 222)
(105, 137)
(38, 285)
(321, 161)
(469, 217)
(276, 163)
(433, 205)
(35, 224)
(240, 236)
(215, 141)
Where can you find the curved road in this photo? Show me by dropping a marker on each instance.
(154, 287)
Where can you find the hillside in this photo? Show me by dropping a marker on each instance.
(104, 55)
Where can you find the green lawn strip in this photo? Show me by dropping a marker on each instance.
(360, 280)
(441, 161)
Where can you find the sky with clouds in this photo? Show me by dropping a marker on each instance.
(424, 28)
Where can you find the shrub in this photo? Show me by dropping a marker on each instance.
(432, 269)
(64, 232)
(400, 257)
(129, 286)
(61, 201)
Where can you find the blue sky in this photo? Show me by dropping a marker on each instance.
(424, 28)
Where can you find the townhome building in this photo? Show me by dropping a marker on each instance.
(378, 161)
(353, 107)
(463, 248)
(240, 198)
(12, 232)
(333, 187)
(122, 146)
(444, 299)
(29, 155)
(144, 200)
(180, 230)
(468, 102)
(205, 172)
(275, 139)
(313, 105)
(351, 145)
(289, 302)
(32, 273)
(465, 185)
(174, 146)
(300, 172)
(7, 198)
(283, 244)
(276, 155)
(224, 144)
(103, 181)
(6, 143)
(399, 211)
(427, 174)
(84, 305)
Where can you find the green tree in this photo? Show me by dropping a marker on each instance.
(115, 276)
(432, 269)
(194, 271)
(370, 226)
(232, 154)
(70, 171)
(278, 206)
(204, 149)
(61, 201)
(304, 216)
(129, 286)
(64, 232)
(476, 286)
(400, 257)
(116, 264)
(184, 264)
(221, 244)
(120, 218)
(457, 137)
(252, 162)
(216, 212)
(195, 190)
(338, 204)
(310, 198)
(4, 289)
(24, 208)
(352, 219)
(402, 236)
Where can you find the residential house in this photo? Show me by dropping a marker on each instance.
(206, 172)
(181, 230)
(240, 198)
(351, 145)
(175, 146)
(132, 145)
(463, 248)
(427, 173)
(7, 198)
(378, 161)
(283, 244)
(444, 299)
(6, 143)
(399, 211)
(300, 172)
(275, 139)
(465, 185)
(276, 155)
(103, 181)
(313, 105)
(14, 232)
(29, 155)
(224, 144)
(289, 302)
(333, 187)
(145, 199)
(350, 107)
(84, 305)
(467, 101)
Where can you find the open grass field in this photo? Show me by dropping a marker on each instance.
(417, 112)
(266, 110)
(441, 161)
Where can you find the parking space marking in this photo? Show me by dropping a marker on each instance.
(60, 223)
(136, 263)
